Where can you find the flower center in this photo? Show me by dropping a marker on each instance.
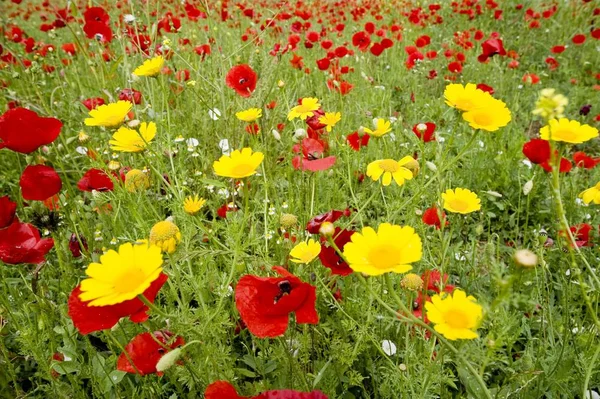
(383, 256)
(464, 103)
(459, 204)
(129, 281)
(389, 165)
(456, 319)
(483, 119)
(563, 134)
(421, 127)
(242, 169)
(163, 231)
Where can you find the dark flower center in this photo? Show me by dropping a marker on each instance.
(285, 288)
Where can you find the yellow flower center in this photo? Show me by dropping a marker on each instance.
(564, 134)
(383, 256)
(389, 165)
(464, 103)
(242, 169)
(163, 231)
(456, 318)
(129, 281)
(483, 119)
(459, 204)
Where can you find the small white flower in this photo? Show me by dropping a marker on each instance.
(527, 187)
(192, 142)
(224, 146)
(214, 114)
(389, 348)
(81, 150)
(128, 19)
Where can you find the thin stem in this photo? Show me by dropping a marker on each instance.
(151, 306)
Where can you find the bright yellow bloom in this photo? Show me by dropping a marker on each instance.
(382, 127)
(305, 109)
(128, 140)
(250, 115)
(591, 194)
(165, 235)
(550, 105)
(568, 131)
(490, 116)
(330, 119)
(239, 164)
(461, 200)
(455, 316)
(305, 252)
(121, 276)
(136, 180)
(391, 249)
(109, 115)
(390, 168)
(191, 205)
(150, 67)
(465, 98)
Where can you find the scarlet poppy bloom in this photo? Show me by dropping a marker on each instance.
(531, 78)
(131, 95)
(490, 48)
(312, 156)
(537, 151)
(484, 87)
(242, 79)
(224, 390)
(75, 245)
(7, 211)
(22, 130)
(432, 281)
(564, 167)
(330, 258)
(356, 141)
(362, 40)
(425, 131)
(265, 303)
(431, 217)
(585, 161)
(581, 234)
(91, 103)
(95, 179)
(145, 352)
(88, 319)
(314, 224)
(21, 243)
(39, 182)
(578, 39)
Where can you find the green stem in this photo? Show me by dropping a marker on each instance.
(152, 306)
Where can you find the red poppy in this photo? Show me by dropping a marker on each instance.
(432, 281)
(356, 141)
(91, 103)
(39, 182)
(484, 87)
(314, 224)
(23, 131)
(88, 319)
(432, 218)
(530, 78)
(21, 243)
(330, 258)
(581, 234)
(537, 151)
(145, 352)
(578, 39)
(99, 31)
(313, 121)
(361, 40)
(242, 79)
(582, 160)
(131, 95)
(265, 303)
(312, 156)
(490, 48)
(228, 207)
(557, 49)
(7, 211)
(75, 245)
(224, 390)
(95, 179)
(425, 131)
(564, 167)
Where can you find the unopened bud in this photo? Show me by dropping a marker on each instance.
(525, 258)
(168, 360)
(327, 229)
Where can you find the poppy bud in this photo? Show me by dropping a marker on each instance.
(327, 229)
(75, 245)
(525, 258)
(412, 282)
(168, 360)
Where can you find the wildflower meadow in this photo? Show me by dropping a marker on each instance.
(301, 199)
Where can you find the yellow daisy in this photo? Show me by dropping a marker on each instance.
(165, 235)
(391, 249)
(191, 205)
(591, 194)
(461, 200)
(305, 252)
(490, 116)
(455, 316)
(250, 115)
(330, 119)
(390, 168)
(128, 140)
(465, 98)
(151, 67)
(109, 115)
(305, 109)
(136, 180)
(122, 275)
(239, 164)
(568, 131)
(382, 127)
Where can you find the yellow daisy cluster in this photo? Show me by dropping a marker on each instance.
(480, 109)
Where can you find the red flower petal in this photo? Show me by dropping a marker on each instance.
(39, 182)
(23, 131)
(242, 79)
(145, 352)
(7, 211)
(88, 319)
(221, 390)
(95, 179)
(330, 258)
(21, 243)
(537, 151)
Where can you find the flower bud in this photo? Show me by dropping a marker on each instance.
(327, 229)
(168, 359)
(525, 258)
